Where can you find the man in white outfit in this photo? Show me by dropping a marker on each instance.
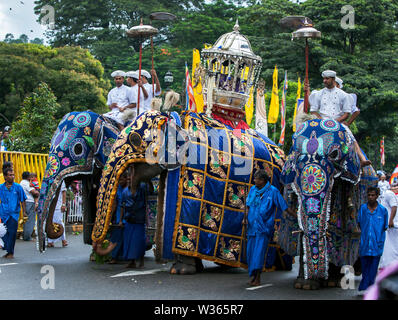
(134, 83)
(30, 193)
(149, 88)
(354, 109)
(60, 208)
(333, 103)
(119, 99)
(383, 184)
(389, 200)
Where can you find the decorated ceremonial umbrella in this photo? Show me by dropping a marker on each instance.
(164, 16)
(306, 30)
(141, 32)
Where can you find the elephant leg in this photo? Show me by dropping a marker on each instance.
(335, 276)
(357, 267)
(185, 265)
(298, 283)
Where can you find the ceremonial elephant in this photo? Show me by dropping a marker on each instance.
(324, 172)
(79, 150)
(206, 170)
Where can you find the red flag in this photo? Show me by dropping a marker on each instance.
(382, 157)
(191, 104)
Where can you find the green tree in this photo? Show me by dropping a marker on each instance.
(33, 129)
(75, 77)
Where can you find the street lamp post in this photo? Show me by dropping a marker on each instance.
(168, 79)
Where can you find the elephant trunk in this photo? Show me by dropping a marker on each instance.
(159, 217)
(53, 230)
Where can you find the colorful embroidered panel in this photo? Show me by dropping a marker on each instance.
(212, 190)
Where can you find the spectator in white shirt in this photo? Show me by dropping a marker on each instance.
(390, 254)
(30, 193)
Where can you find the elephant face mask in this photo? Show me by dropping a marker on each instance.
(81, 140)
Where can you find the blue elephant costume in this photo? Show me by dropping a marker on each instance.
(323, 151)
(205, 200)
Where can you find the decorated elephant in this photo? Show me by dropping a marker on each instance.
(324, 172)
(79, 150)
(206, 169)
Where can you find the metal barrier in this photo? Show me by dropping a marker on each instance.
(75, 213)
(24, 161)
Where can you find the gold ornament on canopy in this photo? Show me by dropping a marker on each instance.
(232, 69)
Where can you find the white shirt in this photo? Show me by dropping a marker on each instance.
(383, 186)
(142, 97)
(121, 95)
(59, 202)
(147, 101)
(354, 107)
(330, 103)
(388, 200)
(25, 184)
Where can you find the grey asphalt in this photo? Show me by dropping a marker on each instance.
(76, 278)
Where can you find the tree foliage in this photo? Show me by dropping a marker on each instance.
(36, 122)
(75, 77)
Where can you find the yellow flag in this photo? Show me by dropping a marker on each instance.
(295, 108)
(196, 84)
(249, 108)
(274, 105)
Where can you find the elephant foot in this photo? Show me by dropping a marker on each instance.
(310, 284)
(298, 283)
(186, 265)
(182, 268)
(334, 282)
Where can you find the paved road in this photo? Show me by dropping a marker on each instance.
(77, 278)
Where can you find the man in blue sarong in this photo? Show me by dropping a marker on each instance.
(12, 197)
(117, 233)
(373, 222)
(263, 202)
(134, 212)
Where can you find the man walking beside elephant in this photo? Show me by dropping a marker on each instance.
(263, 201)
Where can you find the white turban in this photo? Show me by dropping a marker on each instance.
(132, 74)
(340, 82)
(329, 74)
(118, 73)
(144, 73)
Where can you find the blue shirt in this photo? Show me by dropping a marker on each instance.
(119, 195)
(134, 205)
(263, 204)
(11, 199)
(373, 230)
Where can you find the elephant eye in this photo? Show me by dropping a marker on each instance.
(334, 154)
(78, 149)
(135, 140)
